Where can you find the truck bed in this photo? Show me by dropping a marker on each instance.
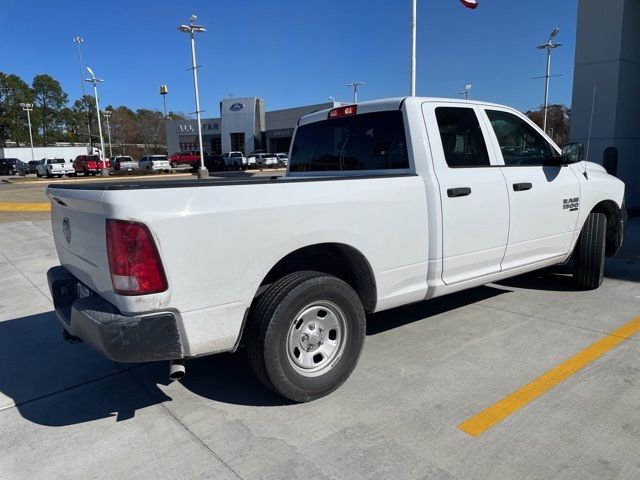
(218, 244)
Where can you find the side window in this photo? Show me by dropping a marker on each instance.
(519, 142)
(462, 139)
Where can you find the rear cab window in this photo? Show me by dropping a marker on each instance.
(374, 141)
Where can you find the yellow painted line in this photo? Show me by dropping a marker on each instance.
(497, 412)
(25, 207)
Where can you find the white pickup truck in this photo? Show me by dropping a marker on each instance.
(384, 203)
(49, 167)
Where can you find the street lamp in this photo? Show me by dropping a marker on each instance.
(106, 114)
(163, 91)
(79, 41)
(548, 46)
(467, 91)
(28, 107)
(191, 29)
(103, 170)
(355, 86)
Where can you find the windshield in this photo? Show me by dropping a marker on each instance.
(369, 141)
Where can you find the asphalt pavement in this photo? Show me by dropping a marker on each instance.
(66, 412)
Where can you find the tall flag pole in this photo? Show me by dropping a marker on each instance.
(412, 76)
(472, 4)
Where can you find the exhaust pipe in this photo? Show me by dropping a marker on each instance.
(176, 369)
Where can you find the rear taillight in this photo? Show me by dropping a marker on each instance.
(134, 261)
(343, 111)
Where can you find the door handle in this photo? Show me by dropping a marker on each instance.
(458, 192)
(519, 187)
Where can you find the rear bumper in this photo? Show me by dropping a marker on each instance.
(121, 338)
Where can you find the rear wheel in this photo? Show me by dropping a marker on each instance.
(305, 335)
(588, 258)
(174, 164)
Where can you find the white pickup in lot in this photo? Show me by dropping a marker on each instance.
(49, 167)
(384, 203)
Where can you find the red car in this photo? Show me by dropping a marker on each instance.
(88, 164)
(184, 158)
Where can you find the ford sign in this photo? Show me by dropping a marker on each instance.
(236, 107)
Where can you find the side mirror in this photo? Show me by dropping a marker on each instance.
(573, 152)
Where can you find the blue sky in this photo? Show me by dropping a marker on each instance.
(292, 52)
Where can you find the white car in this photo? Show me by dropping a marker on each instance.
(49, 167)
(235, 160)
(262, 160)
(384, 203)
(154, 163)
(283, 158)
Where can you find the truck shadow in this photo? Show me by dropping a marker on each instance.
(54, 383)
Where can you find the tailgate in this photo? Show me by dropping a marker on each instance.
(78, 223)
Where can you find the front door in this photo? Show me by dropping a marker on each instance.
(544, 196)
(473, 194)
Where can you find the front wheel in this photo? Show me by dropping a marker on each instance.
(305, 335)
(588, 258)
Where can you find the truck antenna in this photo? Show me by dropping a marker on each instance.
(586, 157)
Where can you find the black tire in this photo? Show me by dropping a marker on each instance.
(38, 175)
(273, 315)
(588, 261)
(174, 164)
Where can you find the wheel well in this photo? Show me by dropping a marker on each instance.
(336, 259)
(614, 233)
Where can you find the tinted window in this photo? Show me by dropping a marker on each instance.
(462, 139)
(369, 141)
(519, 142)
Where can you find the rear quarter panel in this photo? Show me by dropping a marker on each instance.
(218, 243)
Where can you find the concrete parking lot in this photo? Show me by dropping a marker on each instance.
(66, 412)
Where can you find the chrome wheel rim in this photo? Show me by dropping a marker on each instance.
(316, 338)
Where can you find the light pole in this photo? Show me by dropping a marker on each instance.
(103, 170)
(412, 75)
(28, 107)
(79, 41)
(467, 91)
(548, 46)
(163, 91)
(107, 114)
(355, 86)
(191, 29)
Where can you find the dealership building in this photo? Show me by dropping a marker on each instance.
(243, 126)
(606, 87)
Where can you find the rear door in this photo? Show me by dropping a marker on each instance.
(473, 194)
(544, 196)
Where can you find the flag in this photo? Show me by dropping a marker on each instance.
(470, 3)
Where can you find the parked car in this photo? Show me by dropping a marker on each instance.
(283, 158)
(22, 168)
(154, 163)
(184, 158)
(122, 163)
(385, 203)
(235, 160)
(50, 167)
(262, 160)
(214, 163)
(14, 165)
(32, 165)
(89, 164)
(5, 167)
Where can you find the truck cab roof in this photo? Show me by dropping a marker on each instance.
(389, 104)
